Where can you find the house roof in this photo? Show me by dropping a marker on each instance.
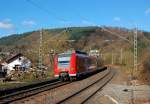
(13, 58)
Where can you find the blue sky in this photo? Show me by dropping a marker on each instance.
(18, 16)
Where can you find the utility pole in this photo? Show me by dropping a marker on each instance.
(135, 49)
(134, 43)
(112, 58)
(104, 58)
(135, 64)
(101, 55)
(121, 57)
(40, 50)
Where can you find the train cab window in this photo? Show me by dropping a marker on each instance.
(64, 60)
(63, 63)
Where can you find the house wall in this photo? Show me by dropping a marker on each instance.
(15, 62)
(19, 61)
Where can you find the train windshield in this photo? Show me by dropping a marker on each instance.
(64, 60)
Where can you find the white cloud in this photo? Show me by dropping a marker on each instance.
(147, 11)
(117, 19)
(6, 25)
(29, 23)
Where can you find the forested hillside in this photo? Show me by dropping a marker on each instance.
(79, 38)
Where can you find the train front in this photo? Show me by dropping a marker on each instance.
(65, 66)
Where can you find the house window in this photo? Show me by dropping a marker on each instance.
(19, 58)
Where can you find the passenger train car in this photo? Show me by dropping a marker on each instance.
(73, 64)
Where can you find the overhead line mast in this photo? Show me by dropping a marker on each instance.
(135, 49)
(135, 63)
(135, 46)
(40, 50)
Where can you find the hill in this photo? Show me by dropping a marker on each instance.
(113, 50)
(85, 38)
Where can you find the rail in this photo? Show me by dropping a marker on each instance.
(78, 96)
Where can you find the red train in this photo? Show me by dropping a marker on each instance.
(71, 65)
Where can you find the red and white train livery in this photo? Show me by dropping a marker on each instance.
(73, 64)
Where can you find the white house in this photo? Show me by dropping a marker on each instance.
(17, 62)
(94, 53)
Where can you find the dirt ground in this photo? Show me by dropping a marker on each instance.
(119, 91)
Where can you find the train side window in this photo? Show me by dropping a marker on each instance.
(86, 62)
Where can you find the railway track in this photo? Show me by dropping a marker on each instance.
(29, 92)
(83, 95)
(35, 89)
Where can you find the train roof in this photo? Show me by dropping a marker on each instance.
(74, 51)
(80, 52)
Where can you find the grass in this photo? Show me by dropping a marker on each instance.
(8, 85)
